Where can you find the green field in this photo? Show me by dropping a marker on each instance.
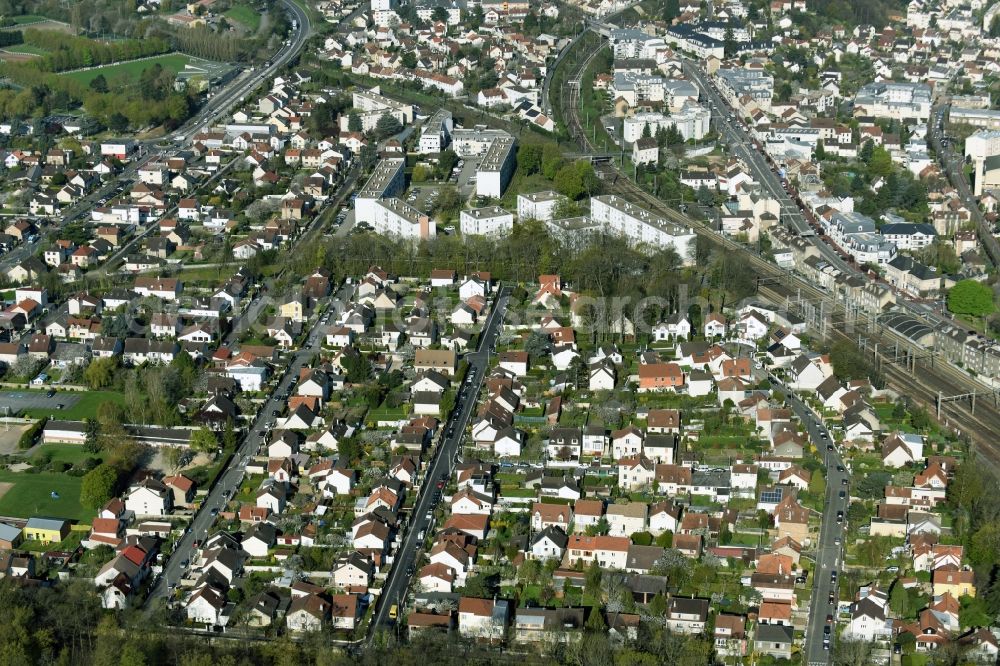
(245, 16)
(175, 62)
(85, 407)
(31, 496)
(69, 453)
(29, 18)
(26, 48)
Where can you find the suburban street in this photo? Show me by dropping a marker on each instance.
(954, 168)
(230, 480)
(734, 135)
(441, 466)
(828, 551)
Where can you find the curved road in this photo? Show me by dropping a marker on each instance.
(213, 109)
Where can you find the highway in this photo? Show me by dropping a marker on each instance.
(440, 466)
(224, 100)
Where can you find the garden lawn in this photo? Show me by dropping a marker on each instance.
(175, 62)
(245, 16)
(30, 496)
(85, 407)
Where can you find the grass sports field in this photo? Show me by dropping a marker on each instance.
(26, 495)
(245, 16)
(175, 62)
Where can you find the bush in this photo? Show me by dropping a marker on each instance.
(29, 436)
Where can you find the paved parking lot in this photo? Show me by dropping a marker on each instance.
(421, 201)
(16, 401)
(468, 171)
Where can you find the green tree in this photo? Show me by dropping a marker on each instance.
(665, 540)
(98, 486)
(101, 372)
(229, 438)
(729, 43)
(353, 122)
(817, 484)
(117, 122)
(595, 622)
(984, 546)
(899, 600)
(358, 367)
(447, 160)
(820, 151)
(592, 582)
(529, 158)
(387, 126)
(849, 362)
(349, 449)
(880, 164)
(552, 160)
(969, 297)
(204, 440)
(173, 456)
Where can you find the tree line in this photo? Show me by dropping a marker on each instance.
(64, 624)
(68, 52)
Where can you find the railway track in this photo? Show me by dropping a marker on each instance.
(923, 384)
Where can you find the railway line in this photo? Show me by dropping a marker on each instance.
(977, 419)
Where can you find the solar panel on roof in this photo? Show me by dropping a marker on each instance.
(772, 496)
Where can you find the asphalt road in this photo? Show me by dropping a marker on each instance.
(441, 466)
(229, 482)
(742, 145)
(212, 110)
(828, 553)
(954, 168)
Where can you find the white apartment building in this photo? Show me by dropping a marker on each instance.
(475, 141)
(496, 168)
(756, 84)
(395, 217)
(370, 106)
(387, 180)
(641, 226)
(538, 205)
(894, 99)
(436, 132)
(693, 121)
(489, 221)
(979, 146)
